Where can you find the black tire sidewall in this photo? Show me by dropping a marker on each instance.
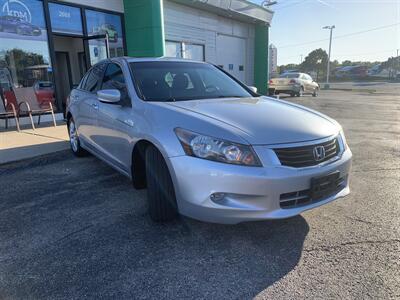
(160, 189)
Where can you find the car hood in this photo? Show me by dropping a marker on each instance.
(264, 121)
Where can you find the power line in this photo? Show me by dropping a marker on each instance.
(289, 5)
(340, 36)
(356, 54)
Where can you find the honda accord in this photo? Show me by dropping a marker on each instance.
(204, 144)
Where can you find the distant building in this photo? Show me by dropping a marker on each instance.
(273, 61)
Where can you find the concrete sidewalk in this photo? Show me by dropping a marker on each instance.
(15, 146)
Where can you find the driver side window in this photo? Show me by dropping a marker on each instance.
(114, 79)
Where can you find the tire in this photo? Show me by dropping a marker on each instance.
(74, 142)
(160, 188)
(292, 94)
(301, 92)
(315, 93)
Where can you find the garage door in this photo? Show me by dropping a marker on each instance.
(231, 55)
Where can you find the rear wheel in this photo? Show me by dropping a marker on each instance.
(74, 139)
(292, 94)
(160, 188)
(301, 92)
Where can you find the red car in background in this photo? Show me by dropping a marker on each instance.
(44, 91)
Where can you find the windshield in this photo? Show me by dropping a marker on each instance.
(290, 75)
(180, 81)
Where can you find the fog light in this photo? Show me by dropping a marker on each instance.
(217, 196)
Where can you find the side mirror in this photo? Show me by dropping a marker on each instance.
(253, 89)
(109, 96)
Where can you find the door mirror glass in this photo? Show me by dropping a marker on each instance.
(253, 89)
(109, 96)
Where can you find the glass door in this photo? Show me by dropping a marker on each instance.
(97, 48)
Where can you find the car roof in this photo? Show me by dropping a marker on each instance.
(159, 59)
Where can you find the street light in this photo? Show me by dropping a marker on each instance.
(329, 55)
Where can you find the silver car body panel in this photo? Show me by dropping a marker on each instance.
(111, 132)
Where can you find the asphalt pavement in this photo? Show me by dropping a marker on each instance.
(74, 228)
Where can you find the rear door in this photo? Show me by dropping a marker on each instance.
(88, 105)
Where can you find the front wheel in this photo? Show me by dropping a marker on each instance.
(315, 93)
(74, 142)
(160, 188)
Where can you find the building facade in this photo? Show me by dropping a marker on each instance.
(46, 46)
(272, 61)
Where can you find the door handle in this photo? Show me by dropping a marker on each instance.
(95, 105)
(128, 122)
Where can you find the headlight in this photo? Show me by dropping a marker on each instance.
(342, 139)
(211, 148)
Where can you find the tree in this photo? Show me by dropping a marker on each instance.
(315, 61)
(19, 60)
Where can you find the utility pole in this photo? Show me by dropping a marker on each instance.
(329, 55)
(301, 58)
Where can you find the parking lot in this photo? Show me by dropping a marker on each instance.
(74, 228)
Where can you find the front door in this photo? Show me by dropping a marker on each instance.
(115, 124)
(97, 49)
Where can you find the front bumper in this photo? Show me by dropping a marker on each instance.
(251, 193)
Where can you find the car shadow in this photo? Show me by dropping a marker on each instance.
(86, 233)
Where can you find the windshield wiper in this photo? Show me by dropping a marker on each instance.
(231, 96)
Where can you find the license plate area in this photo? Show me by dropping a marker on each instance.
(324, 186)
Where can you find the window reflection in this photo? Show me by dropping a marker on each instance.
(25, 68)
(99, 23)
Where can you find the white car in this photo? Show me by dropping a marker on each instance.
(204, 144)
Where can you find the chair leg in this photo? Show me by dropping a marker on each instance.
(39, 120)
(16, 118)
(17, 123)
(33, 124)
(54, 118)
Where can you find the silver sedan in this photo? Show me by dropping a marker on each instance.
(204, 144)
(294, 84)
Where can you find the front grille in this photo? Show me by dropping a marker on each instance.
(302, 198)
(303, 156)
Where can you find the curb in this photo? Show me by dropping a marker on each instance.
(350, 90)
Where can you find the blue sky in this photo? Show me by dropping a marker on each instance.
(301, 21)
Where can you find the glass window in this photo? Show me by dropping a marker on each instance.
(114, 79)
(194, 52)
(180, 81)
(184, 50)
(25, 67)
(93, 80)
(173, 49)
(99, 23)
(65, 19)
(290, 75)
